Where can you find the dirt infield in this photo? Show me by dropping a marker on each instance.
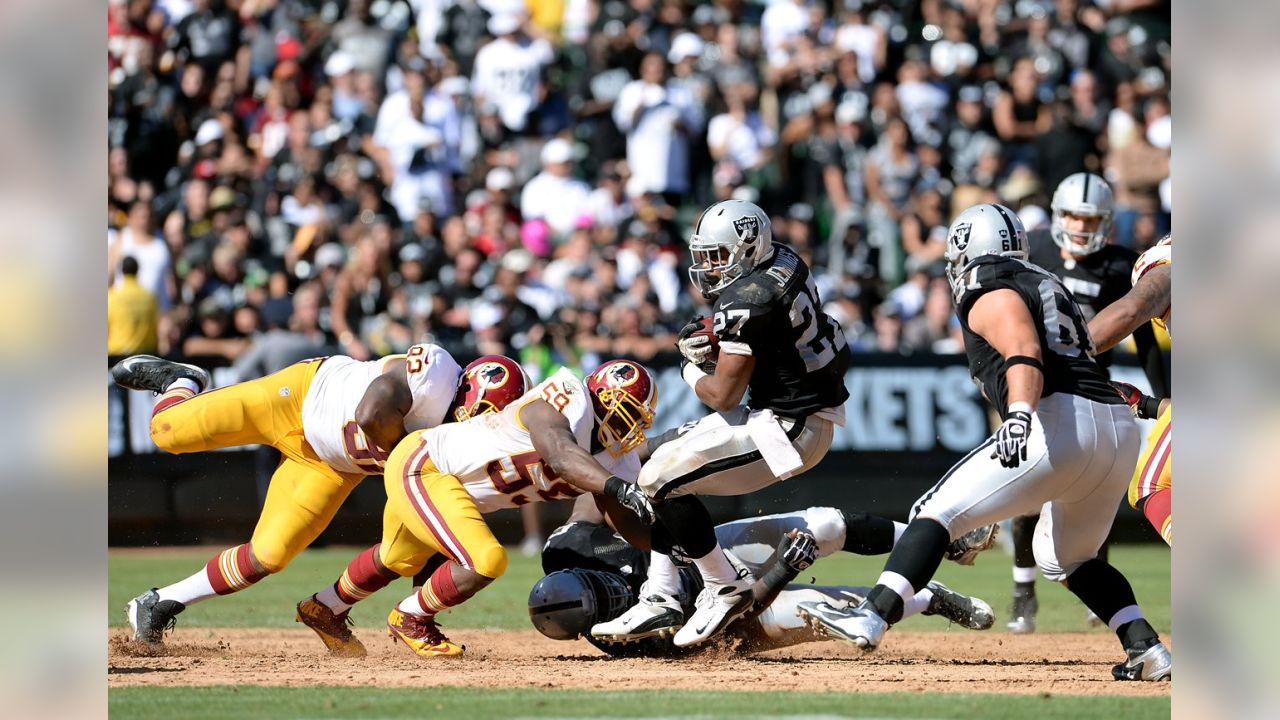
(953, 662)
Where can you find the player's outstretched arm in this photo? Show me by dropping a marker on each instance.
(380, 413)
(1148, 299)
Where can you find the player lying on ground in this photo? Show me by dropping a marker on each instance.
(783, 355)
(562, 438)
(1151, 299)
(1075, 248)
(1066, 446)
(594, 575)
(329, 417)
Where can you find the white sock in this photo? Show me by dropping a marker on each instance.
(664, 576)
(189, 591)
(716, 568)
(917, 603)
(1124, 615)
(898, 584)
(413, 604)
(184, 383)
(898, 529)
(1024, 575)
(329, 598)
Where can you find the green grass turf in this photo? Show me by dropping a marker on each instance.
(503, 605)
(217, 703)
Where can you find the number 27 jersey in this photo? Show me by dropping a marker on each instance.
(492, 455)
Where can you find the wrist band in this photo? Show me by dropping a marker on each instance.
(1023, 360)
(692, 374)
(1148, 408)
(1021, 407)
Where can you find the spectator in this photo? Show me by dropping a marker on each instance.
(936, 329)
(132, 314)
(554, 195)
(1135, 171)
(658, 119)
(891, 172)
(1019, 114)
(139, 240)
(508, 72)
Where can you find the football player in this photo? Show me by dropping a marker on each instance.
(787, 359)
(1065, 447)
(1075, 248)
(1151, 488)
(330, 418)
(594, 575)
(560, 439)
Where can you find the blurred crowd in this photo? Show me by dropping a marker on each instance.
(298, 177)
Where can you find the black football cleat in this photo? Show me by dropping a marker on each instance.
(150, 616)
(148, 372)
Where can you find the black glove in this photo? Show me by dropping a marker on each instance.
(1142, 406)
(1011, 439)
(690, 328)
(798, 550)
(631, 497)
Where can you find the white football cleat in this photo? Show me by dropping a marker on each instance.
(716, 607)
(656, 614)
(859, 625)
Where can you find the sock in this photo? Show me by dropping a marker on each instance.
(1136, 634)
(1023, 530)
(1105, 591)
(911, 565)
(689, 524)
(361, 579)
(917, 603)
(433, 563)
(664, 576)
(716, 568)
(232, 570)
(869, 534)
(438, 594)
(181, 389)
(1158, 509)
(889, 596)
(191, 590)
(1024, 579)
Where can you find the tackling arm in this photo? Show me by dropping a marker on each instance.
(1002, 319)
(554, 442)
(386, 401)
(1148, 299)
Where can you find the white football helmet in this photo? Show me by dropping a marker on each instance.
(1087, 195)
(986, 229)
(730, 238)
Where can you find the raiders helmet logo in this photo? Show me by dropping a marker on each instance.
(960, 236)
(748, 228)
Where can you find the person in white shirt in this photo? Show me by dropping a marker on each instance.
(782, 23)
(554, 195)
(658, 119)
(740, 135)
(139, 240)
(508, 71)
(420, 131)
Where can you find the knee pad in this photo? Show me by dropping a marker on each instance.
(490, 561)
(827, 526)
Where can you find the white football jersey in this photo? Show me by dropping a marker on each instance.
(493, 455)
(329, 409)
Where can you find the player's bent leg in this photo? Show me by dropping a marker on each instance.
(1022, 613)
(1158, 509)
(328, 612)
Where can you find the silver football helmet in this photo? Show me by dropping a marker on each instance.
(986, 229)
(1085, 195)
(565, 604)
(730, 238)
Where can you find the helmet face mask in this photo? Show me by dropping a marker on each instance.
(730, 238)
(565, 604)
(986, 229)
(1083, 207)
(624, 398)
(488, 384)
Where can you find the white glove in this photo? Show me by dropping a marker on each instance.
(1011, 439)
(695, 348)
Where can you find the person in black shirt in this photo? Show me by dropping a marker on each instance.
(1066, 447)
(1075, 249)
(787, 358)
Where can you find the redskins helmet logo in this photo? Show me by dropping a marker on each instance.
(620, 375)
(748, 228)
(492, 375)
(960, 236)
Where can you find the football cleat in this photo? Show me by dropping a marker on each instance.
(963, 610)
(421, 634)
(655, 615)
(964, 550)
(148, 372)
(1022, 616)
(860, 625)
(1152, 665)
(149, 616)
(716, 607)
(333, 628)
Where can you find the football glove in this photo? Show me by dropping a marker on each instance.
(1011, 439)
(631, 497)
(1142, 406)
(798, 550)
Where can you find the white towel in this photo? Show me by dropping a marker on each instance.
(771, 440)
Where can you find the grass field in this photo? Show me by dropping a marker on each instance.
(502, 606)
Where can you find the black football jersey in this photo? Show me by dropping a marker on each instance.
(1065, 348)
(800, 352)
(1096, 280)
